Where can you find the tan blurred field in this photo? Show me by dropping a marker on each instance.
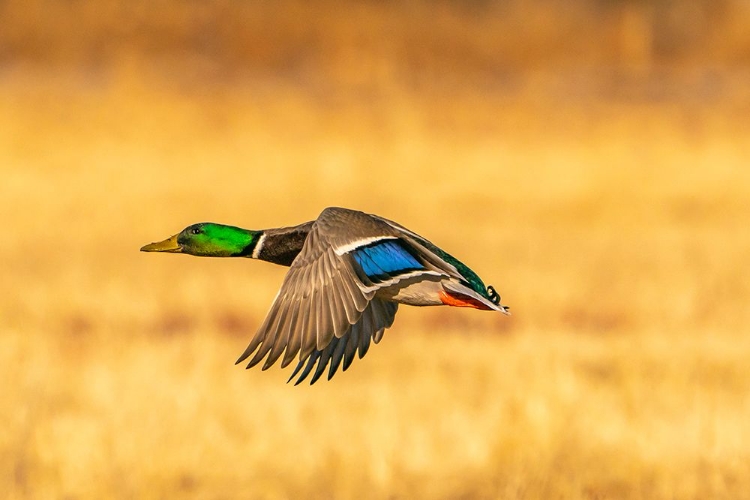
(601, 187)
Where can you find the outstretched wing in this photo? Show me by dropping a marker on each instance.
(321, 310)
(319, 299)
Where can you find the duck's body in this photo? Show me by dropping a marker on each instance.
(348, 272)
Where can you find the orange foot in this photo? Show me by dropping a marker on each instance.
(458, 300)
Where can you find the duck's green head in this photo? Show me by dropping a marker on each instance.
(208, 240)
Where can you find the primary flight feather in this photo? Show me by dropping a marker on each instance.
(348, 271)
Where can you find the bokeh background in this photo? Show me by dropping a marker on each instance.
(588, 158)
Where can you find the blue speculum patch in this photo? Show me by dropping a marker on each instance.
(384, 259)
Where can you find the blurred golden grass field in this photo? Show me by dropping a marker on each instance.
(612, 218)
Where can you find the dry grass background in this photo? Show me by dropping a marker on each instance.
(589, 160)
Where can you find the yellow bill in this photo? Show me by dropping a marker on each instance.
(168, 245)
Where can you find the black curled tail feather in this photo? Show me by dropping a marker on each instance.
(495, 299)
(493, 295)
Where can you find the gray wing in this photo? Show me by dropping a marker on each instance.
(318, 300)
(321, 296)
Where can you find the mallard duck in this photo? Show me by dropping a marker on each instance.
(348, 272)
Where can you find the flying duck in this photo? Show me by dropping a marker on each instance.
(348, 272)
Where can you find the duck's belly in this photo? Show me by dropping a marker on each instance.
(421, 293)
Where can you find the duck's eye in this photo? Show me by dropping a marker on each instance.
(196, 230)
